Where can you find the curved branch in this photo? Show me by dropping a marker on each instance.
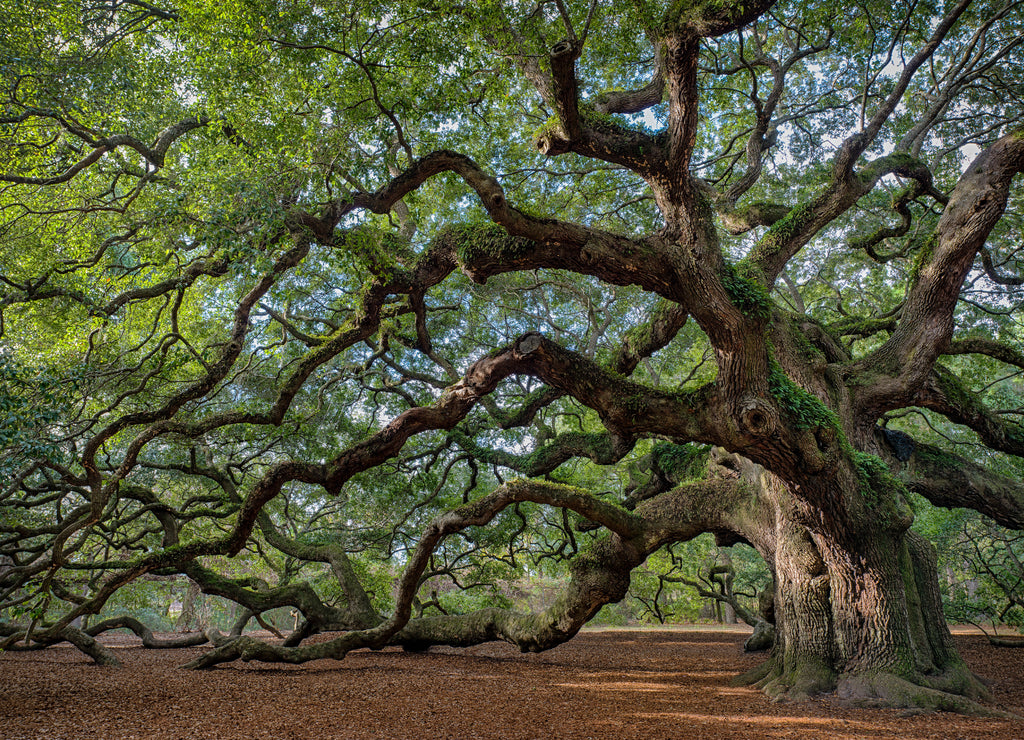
(591, 132)
(926, 322)
(598, 577)
(639, 100)
(857, 144)
(946, 394)
(900, 205)
(149, 640)
(100, 653)
(642, 341)
(551, 243)
(764, 133)
(990, 270)
(951, 481)
(988, 347)
(478, 513)
(600, 448)
(154, 154)
(788, 235)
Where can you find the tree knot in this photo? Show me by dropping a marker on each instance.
(528, 343)
(565, 48)
(756, 417)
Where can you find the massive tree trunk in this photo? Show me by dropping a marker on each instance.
(858, 611)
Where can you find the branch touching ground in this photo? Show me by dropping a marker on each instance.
(478, 513)
(90, 646)
(149, 640)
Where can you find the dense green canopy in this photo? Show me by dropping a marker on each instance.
(335, 305)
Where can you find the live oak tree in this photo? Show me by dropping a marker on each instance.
(482, 288)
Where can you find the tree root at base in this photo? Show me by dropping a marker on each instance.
(891, 691)
(957, 690)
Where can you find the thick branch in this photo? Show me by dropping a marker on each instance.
(639, 100)
(149, 640)
(951, 481)
(478, 513)
(100, 653)
(988, 347)
(946, 394)
(788, 235)
(644, 340)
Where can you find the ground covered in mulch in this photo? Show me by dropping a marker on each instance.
(603, 684)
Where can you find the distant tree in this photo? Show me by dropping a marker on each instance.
(470, 292)
(993, 586)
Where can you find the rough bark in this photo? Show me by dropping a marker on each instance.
(101, 654)
(598, 576)
(869, 628)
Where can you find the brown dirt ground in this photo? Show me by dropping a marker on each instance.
(603, 684)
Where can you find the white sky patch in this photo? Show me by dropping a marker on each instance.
(968, 153)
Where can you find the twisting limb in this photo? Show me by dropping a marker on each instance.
(900, 203)
(926, 322)
(644, 340)
(149, 640)
(600, 448)
(763, 136)
(154, 154)
(639, 100)
(990, 270)
(790, 234)
(949, 396)
(100, 653)
(857, 144)
(598, 577)
(96, 650)
(475, 514)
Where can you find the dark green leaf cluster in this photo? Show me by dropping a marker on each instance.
(30, 401)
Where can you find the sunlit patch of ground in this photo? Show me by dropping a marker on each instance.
(604, 684)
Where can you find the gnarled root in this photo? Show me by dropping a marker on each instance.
(809, 678)
(955, 690)
(880, 689)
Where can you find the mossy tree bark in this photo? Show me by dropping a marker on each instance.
(862, 617)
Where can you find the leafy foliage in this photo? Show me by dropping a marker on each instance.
(420, 316)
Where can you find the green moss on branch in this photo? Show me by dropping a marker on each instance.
(747, 294)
